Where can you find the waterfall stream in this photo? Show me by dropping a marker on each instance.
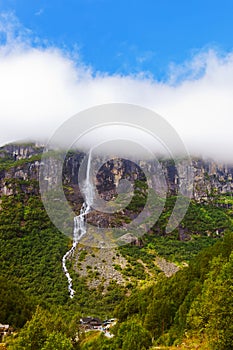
(79, 224)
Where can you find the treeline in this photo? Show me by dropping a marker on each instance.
(54, 330)
(31, 249)
(16, 307)
(196, 303)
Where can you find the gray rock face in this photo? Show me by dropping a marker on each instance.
(14, 170)
(20, 151)
(210, 178)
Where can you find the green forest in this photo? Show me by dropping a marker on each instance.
(191, 309)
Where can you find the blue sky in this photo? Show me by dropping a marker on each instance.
(174, 57)
(126, 36)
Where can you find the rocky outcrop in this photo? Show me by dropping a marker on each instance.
(19, 151)
(210, 178)
(19, 168)
(97, 265)
(167, 267)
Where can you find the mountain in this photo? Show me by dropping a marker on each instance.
(152, 284)
(21, 161)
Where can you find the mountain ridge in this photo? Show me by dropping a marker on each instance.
(32, 249)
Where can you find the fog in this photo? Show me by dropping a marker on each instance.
(41, 88)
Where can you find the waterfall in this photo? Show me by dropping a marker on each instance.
(79, 224)
(88, 188)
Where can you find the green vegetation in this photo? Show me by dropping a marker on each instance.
(32, 248)
(7, 162)
(47, 331)
(152, 310)
(30, 256)
(16, 307)
(195, 303)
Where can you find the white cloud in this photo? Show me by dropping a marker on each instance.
(42, 87)
(39, 12)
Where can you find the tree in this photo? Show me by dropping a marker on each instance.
(211, 313)
(131, 335)
(33, 335)
(57, 341)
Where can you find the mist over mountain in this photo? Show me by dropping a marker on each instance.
(116, 175)
(41, 88)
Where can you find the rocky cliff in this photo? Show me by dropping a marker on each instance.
(19, 163)
(19, 171)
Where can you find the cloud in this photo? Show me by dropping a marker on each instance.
(39, 12)
(41, 86)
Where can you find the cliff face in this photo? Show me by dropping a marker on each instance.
(16, 152)
(19, 168)
(211, 178)
(20, 164)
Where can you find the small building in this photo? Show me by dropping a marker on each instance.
(5, 329)
(91, 323)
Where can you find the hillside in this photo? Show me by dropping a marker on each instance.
(193, 308)
(130, 282)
